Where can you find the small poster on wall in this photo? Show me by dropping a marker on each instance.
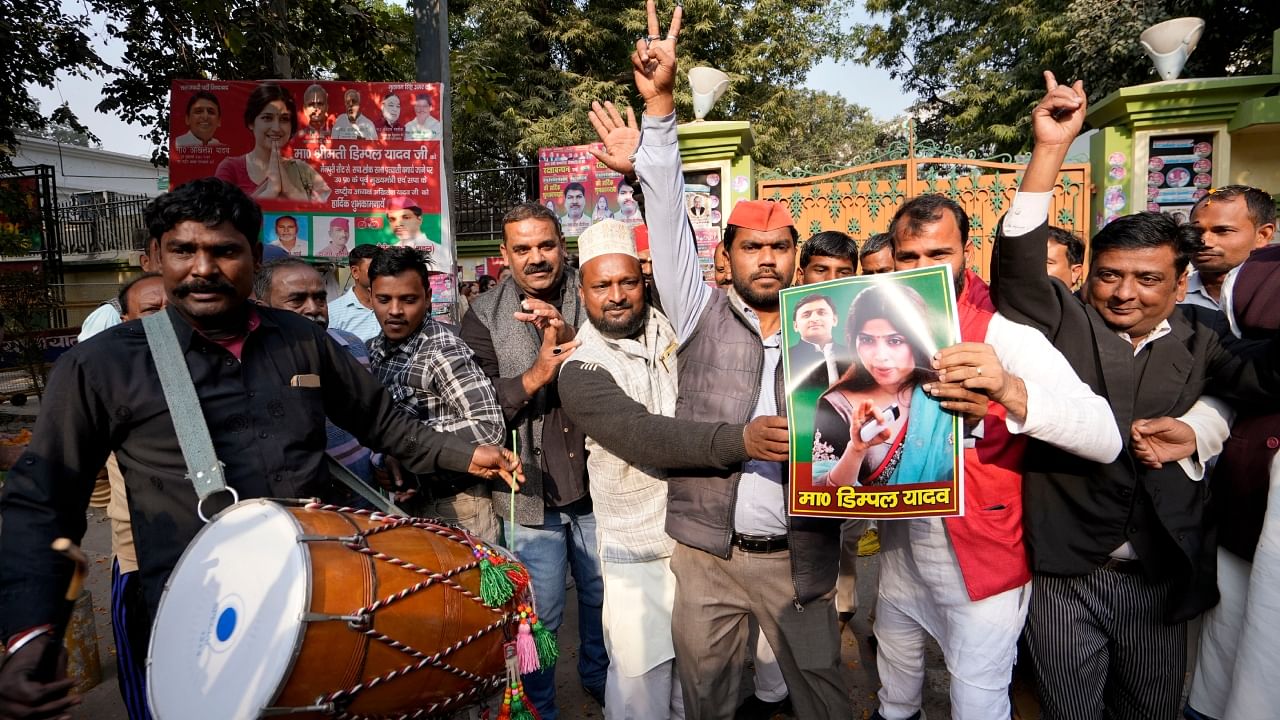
(1179, 172)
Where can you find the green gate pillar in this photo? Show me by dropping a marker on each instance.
(720, 151)
(1162, 145)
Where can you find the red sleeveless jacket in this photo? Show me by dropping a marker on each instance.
(988, 538)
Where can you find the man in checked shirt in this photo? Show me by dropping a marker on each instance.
(433, 376)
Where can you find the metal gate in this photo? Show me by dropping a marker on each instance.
(861, 200)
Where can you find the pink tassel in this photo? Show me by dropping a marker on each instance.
(526, 650)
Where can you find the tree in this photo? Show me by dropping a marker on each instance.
(63, 132)
(524, 71)
(40, 41)
(166, 40)
(977, 64)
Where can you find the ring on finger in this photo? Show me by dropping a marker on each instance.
(979, 370)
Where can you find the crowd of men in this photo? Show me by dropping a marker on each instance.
(652, 446)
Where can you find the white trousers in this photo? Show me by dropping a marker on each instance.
(770, 685)
(922, 591)
(641, 683)
(653, 695)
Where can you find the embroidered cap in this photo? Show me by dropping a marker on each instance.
(403, 203)
(761, 215)
(605, 238)
(343, 223)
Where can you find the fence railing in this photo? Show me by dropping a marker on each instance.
(115, 226)
(484, 196)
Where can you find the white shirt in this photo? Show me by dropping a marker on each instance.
(361, 129)
(103, 317)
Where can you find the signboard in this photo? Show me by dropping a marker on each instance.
(866, 440)
(580, 190)
(20, 223)
(333, 164)
(1179, 172)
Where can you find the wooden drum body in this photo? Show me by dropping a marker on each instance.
(312, 611)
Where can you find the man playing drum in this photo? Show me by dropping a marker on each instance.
(265, 380)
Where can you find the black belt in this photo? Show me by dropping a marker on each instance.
(1128, 567)
(759, 543)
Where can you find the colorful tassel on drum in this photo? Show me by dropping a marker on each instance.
(515, 704)
(526, 649)
(496, 587)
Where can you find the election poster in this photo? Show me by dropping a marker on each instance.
(581, 190)
(866, 440)
(333, 164)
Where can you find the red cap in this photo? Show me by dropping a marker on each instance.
(761, 215)
(343, 223)
(641, 235)
(401, 203)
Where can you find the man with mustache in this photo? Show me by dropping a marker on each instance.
(265, 379)
(315, 108)
(1234, 221)
(424, 125)
(521, 332)
(575, 220)
(287, 236)
(1121, 553)
(434, 378)
(628, 208)
(293, 285)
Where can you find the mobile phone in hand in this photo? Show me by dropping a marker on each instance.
(872, 427)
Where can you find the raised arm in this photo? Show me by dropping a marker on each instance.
(1020, 286)
(657, 165)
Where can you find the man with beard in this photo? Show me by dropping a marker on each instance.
(293, 285)
(521, 332)
(575, 219)
(628, 208)
(738, 556)
(353, 310)
(621, 383)
(204, 115)
(315, 108)
(434, 378)
(264, 379)
(352, 124)
(965, 580)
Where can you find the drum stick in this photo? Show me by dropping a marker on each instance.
(512, 512)
(48, 667)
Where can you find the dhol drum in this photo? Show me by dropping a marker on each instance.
(317, 611)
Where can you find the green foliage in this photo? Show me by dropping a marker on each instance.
(39, 40)
(977, 64)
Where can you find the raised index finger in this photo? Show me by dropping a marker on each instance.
(652, 7)
(676, 16)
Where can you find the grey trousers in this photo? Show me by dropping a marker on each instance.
(715, 598)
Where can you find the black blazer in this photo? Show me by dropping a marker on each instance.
(1077, 512)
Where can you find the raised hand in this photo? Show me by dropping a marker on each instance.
(654, 63)
(547, 366)
(620, 139)
(543, 315)
(1057, 119)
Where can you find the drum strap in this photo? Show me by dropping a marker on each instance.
(203, 468)
(356, 485)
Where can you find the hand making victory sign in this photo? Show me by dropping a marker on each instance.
(654, 63)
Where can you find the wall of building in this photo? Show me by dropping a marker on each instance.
(1254, 159)
(80, 169)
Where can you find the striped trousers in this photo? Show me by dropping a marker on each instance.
(1101, 649)
(132, 630)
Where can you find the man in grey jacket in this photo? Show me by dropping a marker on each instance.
(738, 554)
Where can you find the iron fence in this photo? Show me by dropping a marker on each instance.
(111, 226)
(484, 196)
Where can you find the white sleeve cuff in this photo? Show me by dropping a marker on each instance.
(658, 131)
(1211, 420)
(1028, 211)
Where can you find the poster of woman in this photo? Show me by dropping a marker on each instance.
(867, 441)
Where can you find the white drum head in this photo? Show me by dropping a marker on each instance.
(230, 618)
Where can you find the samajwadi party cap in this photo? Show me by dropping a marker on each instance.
(641, 234)
(760, 215)
(402, 203)
(605, 238)
(340, 222)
